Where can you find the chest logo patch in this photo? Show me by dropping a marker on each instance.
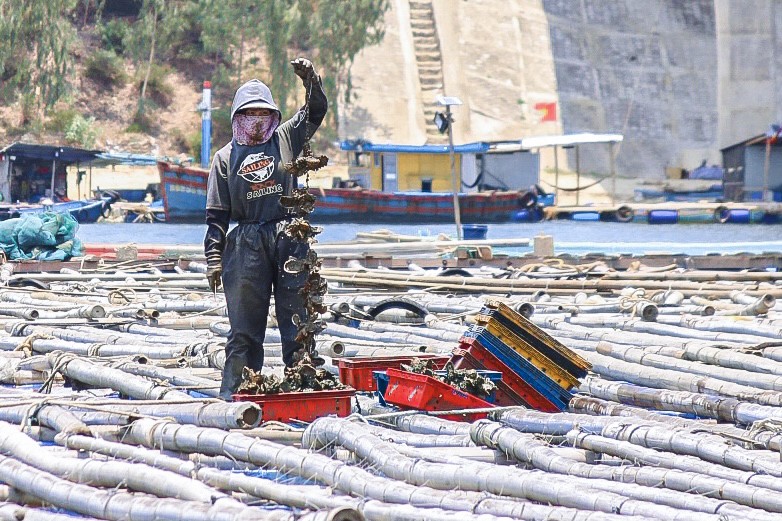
(256, 168)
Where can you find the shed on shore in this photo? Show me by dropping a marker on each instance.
(753, 169)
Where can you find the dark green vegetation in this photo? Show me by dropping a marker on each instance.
(48, 43)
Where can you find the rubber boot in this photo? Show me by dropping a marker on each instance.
(232, 378)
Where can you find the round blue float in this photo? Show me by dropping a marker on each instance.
(585, 216)
(737, 215)
(663, 217)
(474, 231)
(528, 215)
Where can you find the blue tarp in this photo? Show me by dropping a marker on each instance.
(42, 236)
(712, 172)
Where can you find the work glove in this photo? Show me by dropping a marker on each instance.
(303, 69)
(214, 274)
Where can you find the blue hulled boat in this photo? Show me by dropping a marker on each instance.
(184, 197)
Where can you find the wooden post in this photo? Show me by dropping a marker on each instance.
(455, 183)
(578, 175)
(54, 169)
(613, 171)
(556, 175)
(766, 166)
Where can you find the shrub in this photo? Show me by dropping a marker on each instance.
(221, 127)
(158, 88)
(143, 121)
(81, 131)
(194, 145)
(106, 68)
(60, 120)
(113, 34)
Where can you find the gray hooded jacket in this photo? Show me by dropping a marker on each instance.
(246, 181)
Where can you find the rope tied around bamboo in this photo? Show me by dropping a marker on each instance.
(93, 350)
(26, 345)
(118, 296)
(766, 425)
(61, 360)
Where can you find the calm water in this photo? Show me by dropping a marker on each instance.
(569, 237)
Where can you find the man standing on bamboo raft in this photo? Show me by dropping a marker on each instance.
(245, 183)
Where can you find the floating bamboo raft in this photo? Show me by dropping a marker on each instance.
(671, 212)
(110, 372)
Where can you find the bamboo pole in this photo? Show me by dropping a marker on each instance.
(109, 474)
(513, 481)
(526, 449)
(350, 479)
(115, 505)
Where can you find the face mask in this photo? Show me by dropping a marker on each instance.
(254, 130)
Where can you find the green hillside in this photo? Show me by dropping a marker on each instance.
(127, 74)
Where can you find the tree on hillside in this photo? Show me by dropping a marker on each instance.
(142, 45)
(331, 32)
(35, 55)
(275, 24)
(338, 30)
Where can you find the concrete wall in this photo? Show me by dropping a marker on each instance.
(385, 105)
(644, 69)
(497, 59)
(749, 35)
(679, 78)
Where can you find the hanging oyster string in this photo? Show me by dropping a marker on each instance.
(300, 204)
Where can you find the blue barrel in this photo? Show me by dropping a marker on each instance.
(737, 215)
(474, 231)
(663, 217)
(585, 216)
(528, 215)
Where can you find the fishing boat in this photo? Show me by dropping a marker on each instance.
(183, 189)
(83, 211)
(405, 195)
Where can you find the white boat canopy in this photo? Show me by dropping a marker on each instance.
(584, 138)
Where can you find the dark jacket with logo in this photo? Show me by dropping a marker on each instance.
(246, 181)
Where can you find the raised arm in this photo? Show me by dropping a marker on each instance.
(293, 132)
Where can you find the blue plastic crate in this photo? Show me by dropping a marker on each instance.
(522, 367)
(547, 351)
(381, 382)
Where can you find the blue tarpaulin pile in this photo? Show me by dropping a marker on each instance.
(43, 236)
(704, 171)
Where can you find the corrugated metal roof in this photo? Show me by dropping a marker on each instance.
(760, 139)
(365, 146)
(63, 154)
(527, 143)
(124, 158)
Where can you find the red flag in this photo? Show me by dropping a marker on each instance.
(548, 111)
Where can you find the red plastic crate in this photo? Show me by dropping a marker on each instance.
(513, 390)
(357, 372)
(425, 393)
(284, 407)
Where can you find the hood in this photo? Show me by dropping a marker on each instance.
(254, 93)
